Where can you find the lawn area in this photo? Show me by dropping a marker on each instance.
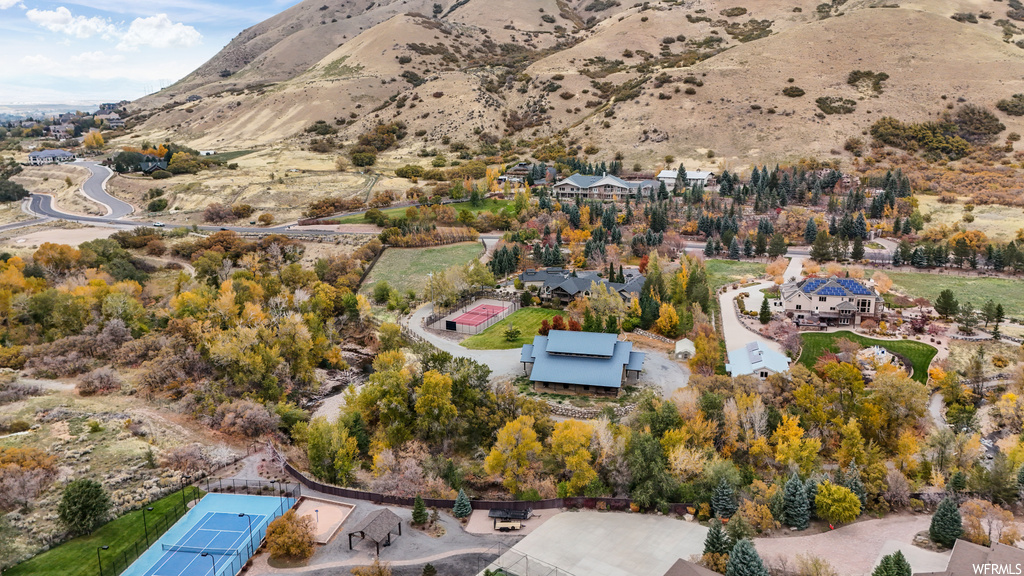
(228, 156)
(976, 290)
(526, 319)
(919, 353)
(485, 206)
(77, 557)
(722, 272)
(407, 268)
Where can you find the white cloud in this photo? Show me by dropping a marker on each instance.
(158, 32)
(61, 20)
(98, 57)
(37, 61)
(5, 4)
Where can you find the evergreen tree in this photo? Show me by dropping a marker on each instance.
(462, 508)
(765, 315)
(946, 304)
(429, 570)
(947, 525)
(744, 561)
(734, 249)
(1020, 479)
(716, 541)
(723, 503)
(709, 248)
(894, 564)
(897, 260)
(811, 490)
(858, 249)
(852, 481)
(957, 482)
(821, 250)
(778, 246)
(896, 226)
(796, 511)
(748, 247)
(621, 279)
(760, 244)
(419, 511)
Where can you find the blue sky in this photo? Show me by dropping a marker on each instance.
(87, 51)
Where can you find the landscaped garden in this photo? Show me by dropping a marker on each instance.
(722, 272)
(920, 354)
(966, 289)
(527, 320)
(77, 557)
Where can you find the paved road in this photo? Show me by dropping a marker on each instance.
(876, 256)
(736, 335)
(96, 189)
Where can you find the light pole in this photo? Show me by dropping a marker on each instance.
(317, 512)
(145, 526)
(184, 479)
(249, 518)
(98, 561)
(213, 562)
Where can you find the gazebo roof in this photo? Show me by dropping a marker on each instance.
(378, 524)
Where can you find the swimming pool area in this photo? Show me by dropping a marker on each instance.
(215, 538)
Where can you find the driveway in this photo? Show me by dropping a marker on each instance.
(736, 335)
(855, 549)
(96, 189)
(501, 362)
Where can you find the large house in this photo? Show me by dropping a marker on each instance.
(590, 363)
(968, 559)
(112, 119)
(41, 157)
(829, 302)
(565, 285)
(672, 178)
(756, 359)
(606, 187)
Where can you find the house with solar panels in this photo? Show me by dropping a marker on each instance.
(586, 363)
(825, 302)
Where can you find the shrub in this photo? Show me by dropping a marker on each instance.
(836, 105)
(266, 219)
(976, 124)
(291, 536)
(1014, 105)
(242, 210)
(409, 171)
(566, 95)
(161, 175)
(867, 77)
(99, 381)
(218, 212)
(158, 205)
(733, 12)
(84, 506)
(245, 418)
(793, 91)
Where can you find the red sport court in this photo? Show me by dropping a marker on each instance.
(479, 315)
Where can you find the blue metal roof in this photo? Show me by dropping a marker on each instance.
(527, 355)
(581, 343)
(583, 370)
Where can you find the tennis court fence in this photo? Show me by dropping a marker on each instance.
(231, 562)
(117, 561)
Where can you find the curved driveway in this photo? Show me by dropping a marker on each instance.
(95, 189)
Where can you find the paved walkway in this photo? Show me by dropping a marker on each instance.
(736, 335)
(855, 549)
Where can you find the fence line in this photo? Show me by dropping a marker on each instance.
(155, 528)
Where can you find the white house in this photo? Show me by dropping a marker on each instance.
(829, 301)
(691, 178)
(41, 157)
(685, 349)
(757, 360)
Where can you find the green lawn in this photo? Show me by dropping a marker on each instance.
(228, 156)
(485, 206)
(77, 557)
(919, 353)
(975, 290)
(407, 268)
(722, 272)
(526, 319)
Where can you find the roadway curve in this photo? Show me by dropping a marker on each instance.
(96, 189)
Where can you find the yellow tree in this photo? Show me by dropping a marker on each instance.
(792, 448)
(291, 536)
(93, 141)
(516, 449)
(570, 445)
(434, 406)
(668, 321)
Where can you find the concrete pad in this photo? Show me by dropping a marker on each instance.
(480, 523)
(327, 515)
(609, 543)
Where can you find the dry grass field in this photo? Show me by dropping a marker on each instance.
(998, 222)
(53, 180)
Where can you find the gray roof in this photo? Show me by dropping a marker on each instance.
(966, 556)
(581, 343)
(584, 370)
(378, 524)
(50, 154)
(754, 357)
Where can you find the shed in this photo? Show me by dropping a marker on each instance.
(685, 349)
(377, 527)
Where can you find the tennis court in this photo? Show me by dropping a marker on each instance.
(218, 526)
(221, 536)
(473, 316)
(479, 315)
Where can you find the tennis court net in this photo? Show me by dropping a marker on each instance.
(199, 550)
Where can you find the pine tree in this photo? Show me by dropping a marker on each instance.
(894, 564)
(716, 541)
(821, 249)
(856, 485)
(946, 304)
(1020, 479)
(429, 570)
(462, 506)
(858, 249)
(419, 511)
(744, 561)
(947, 525)
(778, 246)
(724, 502)
(734, 249)
(765, 315)
(796, 511)
(709, 248)
(957, 482)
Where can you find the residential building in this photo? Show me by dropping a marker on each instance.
(61, 131)
(685, 349)
(756, 359)
(589, 363)
(829, 302)
(41, 157)
(565, 285)
(112, 119)
(605, 187)
(151, 164)
(108, 106)
(968, 559)
(691, 178)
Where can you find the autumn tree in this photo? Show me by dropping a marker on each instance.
(434, 407)
(570, 445)
(93, 141)
(331, 450)
(791, 447)
(291, 536)
(836, 504)
(668, 321)
(514, 452)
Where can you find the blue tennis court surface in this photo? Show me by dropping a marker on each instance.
(219, 534)
(213, 526)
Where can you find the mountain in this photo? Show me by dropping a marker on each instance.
(709, 81)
